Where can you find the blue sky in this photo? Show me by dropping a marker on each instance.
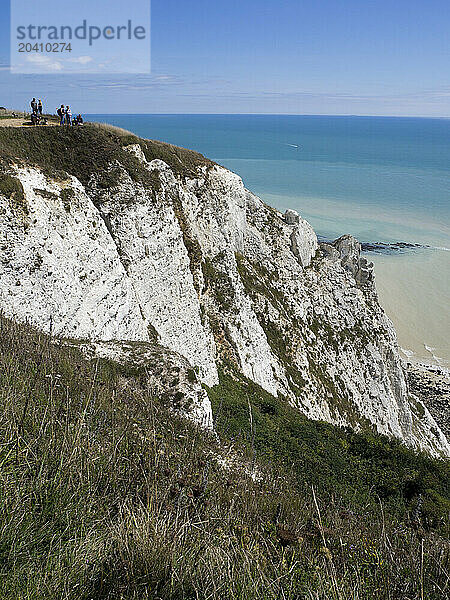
(93, 53)
(298, 57)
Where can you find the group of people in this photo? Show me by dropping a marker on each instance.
(36, 113)
(64, 113)
(65, 116)
(36, 107)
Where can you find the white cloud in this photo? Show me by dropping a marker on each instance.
(81, 60)
(44, 62)
(137, 83)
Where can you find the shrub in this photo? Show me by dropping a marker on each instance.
(12, 188)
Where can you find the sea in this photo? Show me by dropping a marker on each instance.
(384, 180)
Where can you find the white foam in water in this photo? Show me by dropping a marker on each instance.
(431, 350)
(407, 353)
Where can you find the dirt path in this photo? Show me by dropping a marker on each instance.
(21, 122)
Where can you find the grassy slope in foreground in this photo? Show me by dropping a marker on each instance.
(105, 494)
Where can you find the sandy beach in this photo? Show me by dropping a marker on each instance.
(414, 290)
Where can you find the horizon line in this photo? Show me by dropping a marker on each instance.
(218, 114)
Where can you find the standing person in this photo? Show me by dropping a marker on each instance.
(33, 104)
(68, 116)
(39, 106)
(60, 112)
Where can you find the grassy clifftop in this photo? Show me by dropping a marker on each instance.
(105, 494)
(83, 151)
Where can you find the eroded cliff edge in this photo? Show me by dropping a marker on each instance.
(107, 237)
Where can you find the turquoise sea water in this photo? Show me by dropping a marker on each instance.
(380, 179)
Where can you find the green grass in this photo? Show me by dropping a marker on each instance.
(11, 188)
(92, 149)
(105, 494)
(360, 468)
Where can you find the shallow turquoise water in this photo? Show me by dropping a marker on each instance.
(381, 179)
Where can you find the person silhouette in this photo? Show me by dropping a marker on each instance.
(61, 112)
(68, 116)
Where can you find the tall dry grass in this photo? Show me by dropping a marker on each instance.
(105, 494)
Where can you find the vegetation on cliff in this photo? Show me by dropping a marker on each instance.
(106, 494)
(91, 149)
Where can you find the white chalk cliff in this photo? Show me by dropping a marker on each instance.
(199, 267)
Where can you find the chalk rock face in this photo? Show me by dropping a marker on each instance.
(291, 217)
(303, 238)
(188, 264)
(168, 374)
(349, 250)
(59, 268)
(149, 240)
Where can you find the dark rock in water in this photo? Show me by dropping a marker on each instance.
(381, 247)
(388, 247)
